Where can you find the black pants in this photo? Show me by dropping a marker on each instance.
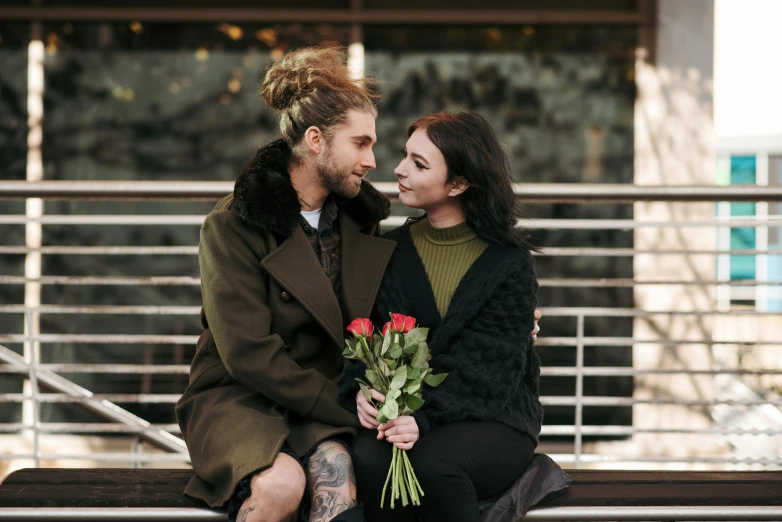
(457, 465)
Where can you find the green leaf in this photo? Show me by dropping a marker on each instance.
(395, 352)
(372, 376)
(377, 345)
(420, 356)
(366, 392)
(400, 378)
(392, 365)
(413, 374)
(386, 343)
(381, 416)
(389, 410)
(413, 387)
(383, 367)
(394, 394)
(410, 349)
(414, 403)
(416, 336)
(435, 380)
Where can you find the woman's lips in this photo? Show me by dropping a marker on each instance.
(403, 188)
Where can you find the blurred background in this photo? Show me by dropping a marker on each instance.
(662, 320)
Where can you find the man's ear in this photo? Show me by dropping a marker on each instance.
(314, 139)
(458, 186)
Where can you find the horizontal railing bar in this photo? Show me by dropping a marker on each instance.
(146, 369)
(594, 458)
(193, 281)
(629, 341)
(630, 430)
(101, 281)
(560, 311)
(393, 221)
(337, 16)
(101, 339)
(528, 192)
(114, 251)
(66, 427)
(547, 252)
(141, 398)
(619, 371)
(629, 401)
(102, 309)
(546, 429)
(549, 371)
(629, 252)
(186, 339)
(619, 282)
(163, 398)
(106, 457)
(104, 514)
(659, 513)
(195, 310)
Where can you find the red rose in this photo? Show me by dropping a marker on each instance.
(386, 327)
(360, 327)
(401, 323)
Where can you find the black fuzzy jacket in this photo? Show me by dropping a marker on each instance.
(483, 342)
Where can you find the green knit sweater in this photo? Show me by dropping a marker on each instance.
(447, 254)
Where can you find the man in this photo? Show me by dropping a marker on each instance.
(286, 262)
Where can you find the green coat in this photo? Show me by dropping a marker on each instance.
(267, 367)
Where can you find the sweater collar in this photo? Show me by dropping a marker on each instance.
(264, 195)
(449, 236)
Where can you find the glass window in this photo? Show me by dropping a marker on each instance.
(775, 238)
(742, 172)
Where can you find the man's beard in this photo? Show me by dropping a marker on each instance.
(336, 178)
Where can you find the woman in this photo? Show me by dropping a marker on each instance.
(465, 270)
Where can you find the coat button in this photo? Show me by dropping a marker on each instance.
(286, 297)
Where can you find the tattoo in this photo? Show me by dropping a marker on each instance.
(242, 516)
(331, 481)
(328, 504)
(301, 200)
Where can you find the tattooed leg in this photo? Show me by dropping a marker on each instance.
(331, 481)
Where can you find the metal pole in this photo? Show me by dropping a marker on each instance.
(579, 387)
(33, 209)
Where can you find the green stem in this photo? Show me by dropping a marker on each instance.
(385, 486)
(414, 498)
(415, 479)
(394, 485)
(402, 485)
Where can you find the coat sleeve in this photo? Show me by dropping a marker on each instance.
(234, 293)
(487, 360)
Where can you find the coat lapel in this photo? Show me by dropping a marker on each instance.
(364, 259)
(294, 265)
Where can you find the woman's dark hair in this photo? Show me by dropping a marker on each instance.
(473, 152)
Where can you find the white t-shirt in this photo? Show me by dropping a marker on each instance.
(313, 217)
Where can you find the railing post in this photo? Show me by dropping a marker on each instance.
(33, 231)
(579, 387)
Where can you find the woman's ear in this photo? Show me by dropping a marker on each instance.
(314, 138)
(458, 186)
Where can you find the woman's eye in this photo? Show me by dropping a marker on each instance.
(419, 166)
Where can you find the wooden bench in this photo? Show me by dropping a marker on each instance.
(153, 494)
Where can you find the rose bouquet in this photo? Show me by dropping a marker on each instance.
(397, 366)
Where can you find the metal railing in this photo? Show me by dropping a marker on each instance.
(60, 390)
